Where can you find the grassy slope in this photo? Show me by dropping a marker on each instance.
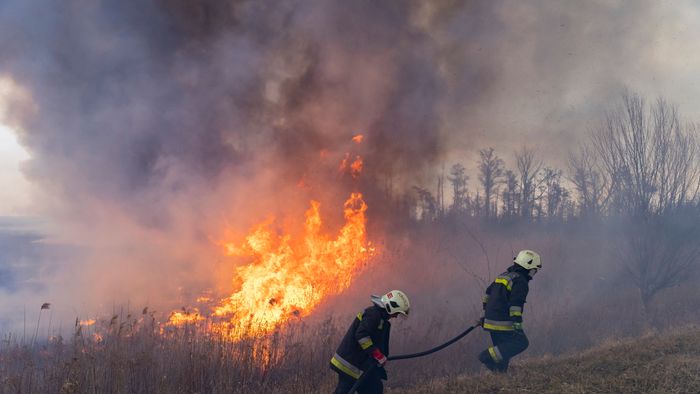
(654, 364)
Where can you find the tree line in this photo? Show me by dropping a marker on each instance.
(641, 161)
(637, 177)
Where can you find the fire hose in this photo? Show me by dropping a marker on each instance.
(411, 355)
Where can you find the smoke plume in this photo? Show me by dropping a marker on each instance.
(152, 125)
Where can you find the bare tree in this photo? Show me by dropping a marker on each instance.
(676, 153)
(528, 167)
(490, 173)
(649, 158)
(427, 204)
(589, 181)
(441, 193)
(510, 194)
(649, 161)
(475, 206)
(552, 196)
(661, 251)
(459, 179)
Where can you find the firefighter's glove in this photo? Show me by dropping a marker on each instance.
(518, 326)
(379, 357)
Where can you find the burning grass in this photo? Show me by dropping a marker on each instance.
(289, 277)
(286, 277)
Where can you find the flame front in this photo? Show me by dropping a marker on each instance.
(288, 277)
(185, 317)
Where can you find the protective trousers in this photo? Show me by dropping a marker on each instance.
(506, 345)
(371, 385)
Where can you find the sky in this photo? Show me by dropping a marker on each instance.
(566, 64)
(15, 193)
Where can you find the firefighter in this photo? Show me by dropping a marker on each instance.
(366, 343)
(503, 311)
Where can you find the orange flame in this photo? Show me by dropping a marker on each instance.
(288, 277)
(344, 163)
(185, 317)
(355, 168)
(358, 138)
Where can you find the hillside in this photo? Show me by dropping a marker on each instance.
(669, 363)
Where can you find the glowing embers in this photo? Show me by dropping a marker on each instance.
(354, 167)
(185, 317)
(288, 275)
(350, 165)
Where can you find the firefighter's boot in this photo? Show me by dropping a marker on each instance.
(488, 361)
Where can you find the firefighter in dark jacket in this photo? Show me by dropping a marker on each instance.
(367, 343)
(503, 311)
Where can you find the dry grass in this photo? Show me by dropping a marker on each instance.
(654, 364)
(132, 355)
(135, 357)
(572, 306)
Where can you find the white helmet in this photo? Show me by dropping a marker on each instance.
(394, 301)
(528, 260)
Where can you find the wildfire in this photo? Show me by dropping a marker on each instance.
(288, 274)
(185, 317)
(354, 167)
(289, 278)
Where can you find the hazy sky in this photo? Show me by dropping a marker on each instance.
(14, 192)
(565, 63)
(14, 187)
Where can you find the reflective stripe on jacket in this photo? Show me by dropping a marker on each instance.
(369, 330)
(505, 299)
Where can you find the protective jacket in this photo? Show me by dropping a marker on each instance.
(368, 331)
(505, 299)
